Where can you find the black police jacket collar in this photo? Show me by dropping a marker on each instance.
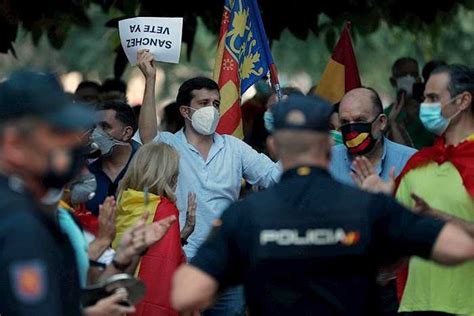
(304, 171)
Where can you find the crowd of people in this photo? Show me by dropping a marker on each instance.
(322, 209)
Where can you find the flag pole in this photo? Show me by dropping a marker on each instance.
(268, 54)
(274, 80)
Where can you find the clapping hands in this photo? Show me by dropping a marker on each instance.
(367, 179)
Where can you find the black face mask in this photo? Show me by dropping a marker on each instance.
(358, 137)
(58, 179)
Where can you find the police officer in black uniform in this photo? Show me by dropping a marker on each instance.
(310, 245)
(40, 151)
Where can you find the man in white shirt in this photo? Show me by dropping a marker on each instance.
(211, 165)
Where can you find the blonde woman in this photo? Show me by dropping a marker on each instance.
(148, 186)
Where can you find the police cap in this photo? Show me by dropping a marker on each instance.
(40, 95)
(302, 113)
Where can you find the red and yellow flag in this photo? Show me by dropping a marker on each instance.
(243, 57)
(158, 264)
(341, 73)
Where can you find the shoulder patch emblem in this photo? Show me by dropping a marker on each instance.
(28, 279)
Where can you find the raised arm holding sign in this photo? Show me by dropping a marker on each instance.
(147, 120)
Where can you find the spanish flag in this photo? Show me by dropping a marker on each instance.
(161, 260)
(341, 74)
(243, 57)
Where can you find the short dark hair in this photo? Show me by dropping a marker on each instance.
(376, 101)
(461, 78)
(185, 95)
(123, 112)
(430, 66)
(397, 64)
(113, 84)
(88, 84)
(136, 110)
(172, 114)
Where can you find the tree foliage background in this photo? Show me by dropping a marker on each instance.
(73, 36)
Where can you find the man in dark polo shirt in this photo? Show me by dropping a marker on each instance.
(310, 245)
(40, 151)
(113, 135)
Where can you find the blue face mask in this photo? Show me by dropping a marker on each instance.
(268, 121)
(433, 119)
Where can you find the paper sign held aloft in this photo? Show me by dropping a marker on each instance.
(162, 36)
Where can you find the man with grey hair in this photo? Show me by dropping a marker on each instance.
(441, 178)
(362, 128)
(362, 124)
(442, 175)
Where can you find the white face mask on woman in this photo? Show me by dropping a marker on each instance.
(205, 120)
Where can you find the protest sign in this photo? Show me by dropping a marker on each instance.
(162, 36)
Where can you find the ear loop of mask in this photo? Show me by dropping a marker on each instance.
(376, 118)
(116, 141)
(187, 117)
(455, 113)
(372, 123)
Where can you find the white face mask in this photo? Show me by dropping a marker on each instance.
(205, 120)
(405, 83)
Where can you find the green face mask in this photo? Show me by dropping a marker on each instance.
(337, 137)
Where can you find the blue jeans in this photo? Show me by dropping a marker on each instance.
(230, 303)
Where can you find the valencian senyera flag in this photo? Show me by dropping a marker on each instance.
(341, 73)
(243, 57)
